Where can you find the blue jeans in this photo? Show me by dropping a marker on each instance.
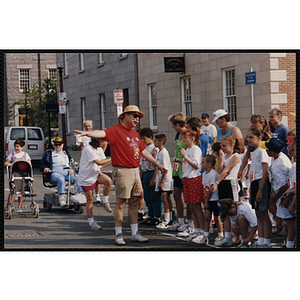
(61, 182)
(152, 198)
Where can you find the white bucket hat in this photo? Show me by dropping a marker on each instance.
(218, 114)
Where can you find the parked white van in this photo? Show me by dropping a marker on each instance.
(34, 139)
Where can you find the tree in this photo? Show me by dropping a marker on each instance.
(35, 101)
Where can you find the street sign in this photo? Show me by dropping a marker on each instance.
(250, 78)
(118, 96)
(119, 108)
(52, 107)
(62, 107)
(62, 97)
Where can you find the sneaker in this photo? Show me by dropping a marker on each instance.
(257, 246)
(153, 221)
(163, 225)
(95, 226)
(265, 246)
(62, 200)
(243, 246)
(98, 200)
(223, 242)
(146, 221)
(141, 216)
(139, 238)
(183, 227)
(107, 206)
(119, 239)
(201, 239)
(174, 227)
(186, 233)
(192, 236)
(211, 229)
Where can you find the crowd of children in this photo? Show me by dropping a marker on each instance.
(243, 190)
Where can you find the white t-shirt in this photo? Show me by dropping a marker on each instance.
(258, 156)
(207, 180)
(292, 177)
(279, 171)
(195, 154)
(145, 164)
(244, 208)
(234, 171)
(88, 171)
(84, 139)
(210, 130)
(163, 157)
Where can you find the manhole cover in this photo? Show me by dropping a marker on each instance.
(22, 235)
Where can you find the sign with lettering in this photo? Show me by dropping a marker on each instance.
(174, 64)
(250, 78)
(118, 96)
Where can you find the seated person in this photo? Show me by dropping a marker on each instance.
(17, 155)
(53, 164)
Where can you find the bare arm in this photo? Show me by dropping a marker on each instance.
(97, 134)
(103, 162)
(236, 132)
(148, 156)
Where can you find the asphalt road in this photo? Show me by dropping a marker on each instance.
(63, 229)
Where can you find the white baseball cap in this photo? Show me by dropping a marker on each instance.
(218, 114)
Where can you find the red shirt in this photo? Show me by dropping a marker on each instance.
(125, 146)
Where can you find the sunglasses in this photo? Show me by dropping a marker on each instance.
(57, 144)
(135, 115)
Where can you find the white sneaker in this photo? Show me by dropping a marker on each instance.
(62, 201)
(162, 225)
(174, 227)
(95, 226)
(200, 239)
(107, 206)
(183, 227)
(187, 232)
(223, 242)
(98, 200)
(192, 236)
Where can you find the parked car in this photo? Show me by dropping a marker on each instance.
(34, 138)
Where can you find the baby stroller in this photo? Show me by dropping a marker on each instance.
(73, 199)
(20, 179)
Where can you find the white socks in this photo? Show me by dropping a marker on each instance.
(134, 229)
(104, 199)
(91, 221)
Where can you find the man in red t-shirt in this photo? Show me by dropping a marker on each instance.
(126, 148)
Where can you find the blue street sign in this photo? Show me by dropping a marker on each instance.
(250, 78)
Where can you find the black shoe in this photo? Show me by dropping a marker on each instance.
(153, 221)
(141, 216)
(145, 222)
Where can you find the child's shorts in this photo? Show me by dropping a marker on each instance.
(193, 190)
(214, 208)
(264, 204)
(90, 187)
(229, 189)
(178, 182)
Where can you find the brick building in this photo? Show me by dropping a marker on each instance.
(23, 70)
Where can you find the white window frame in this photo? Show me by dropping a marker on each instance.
(29, 79)
(53, 71)
(66, 66)
(83, 110)
(81, 63)
(152, 106)
(123, 56)
(186, 97)
(102, 110)
(229, 93)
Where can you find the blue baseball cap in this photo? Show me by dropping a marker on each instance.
(272, 144)
(205, 115)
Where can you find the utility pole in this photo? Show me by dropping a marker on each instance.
(63, 120)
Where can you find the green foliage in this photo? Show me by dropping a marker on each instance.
(36, 99)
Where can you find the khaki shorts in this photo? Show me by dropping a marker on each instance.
(127, 182)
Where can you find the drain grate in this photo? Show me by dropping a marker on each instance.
(22, 235)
